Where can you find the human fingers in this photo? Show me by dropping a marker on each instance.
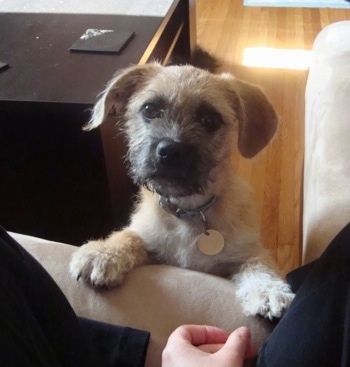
(210, 348)
(238, 346)
(213, 348)
(193, 346)
(199, 334)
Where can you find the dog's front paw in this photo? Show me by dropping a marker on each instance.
(105, 263)
(263, 294)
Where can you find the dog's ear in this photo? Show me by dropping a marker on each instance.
(258, 120)
(118, 92)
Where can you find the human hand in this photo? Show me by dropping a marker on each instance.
(204, 346)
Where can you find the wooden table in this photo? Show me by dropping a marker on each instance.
(57, 181)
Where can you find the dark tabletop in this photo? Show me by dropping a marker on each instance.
(42, 69)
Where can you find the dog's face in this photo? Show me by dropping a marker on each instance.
(181, 124)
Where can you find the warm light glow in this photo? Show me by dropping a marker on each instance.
(277, 58)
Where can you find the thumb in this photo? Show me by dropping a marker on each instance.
(238, 345)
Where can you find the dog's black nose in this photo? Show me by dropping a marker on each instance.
(171, 152)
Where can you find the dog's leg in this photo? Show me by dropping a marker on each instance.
(261, 290)
(104, 263)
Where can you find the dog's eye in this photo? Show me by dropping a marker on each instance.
(211, 121)
(151, 111)
(209, 117)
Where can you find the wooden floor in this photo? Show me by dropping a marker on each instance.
(225, 28)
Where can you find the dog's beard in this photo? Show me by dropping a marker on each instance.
(167, 179)
(169, 183)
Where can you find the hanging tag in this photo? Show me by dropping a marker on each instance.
(211, 242)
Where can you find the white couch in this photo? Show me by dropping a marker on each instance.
(159, 298)
(327, 140)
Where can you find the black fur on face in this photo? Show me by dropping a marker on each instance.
(175, 169)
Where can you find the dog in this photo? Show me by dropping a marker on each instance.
(181, 124)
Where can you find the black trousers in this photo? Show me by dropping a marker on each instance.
(39, 328)
(315, 331)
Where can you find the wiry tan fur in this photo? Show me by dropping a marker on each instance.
(155, 235)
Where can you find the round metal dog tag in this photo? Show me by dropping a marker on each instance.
(210, 243)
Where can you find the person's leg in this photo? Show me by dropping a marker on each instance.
(38, 327)
(117, 345)
(315, 331)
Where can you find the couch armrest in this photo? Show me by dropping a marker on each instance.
(327, 138)
(155, 298)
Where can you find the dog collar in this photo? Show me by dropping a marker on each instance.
(165, 204)
(210, 242)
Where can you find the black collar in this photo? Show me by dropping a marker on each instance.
(165, 204)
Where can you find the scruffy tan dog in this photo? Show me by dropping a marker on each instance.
(181, 125)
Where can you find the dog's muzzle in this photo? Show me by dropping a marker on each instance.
(174, 169)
